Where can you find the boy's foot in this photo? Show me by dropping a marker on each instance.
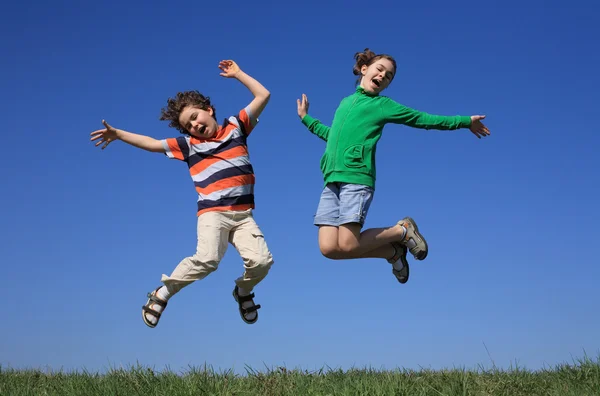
(248, 310)
(400, 267)
(413, 239)
(153, 308)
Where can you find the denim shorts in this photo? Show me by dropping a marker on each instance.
(343, 203)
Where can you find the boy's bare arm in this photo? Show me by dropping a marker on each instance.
(261, 94)
(107, 135)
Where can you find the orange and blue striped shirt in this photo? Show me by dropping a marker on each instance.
(220, 166)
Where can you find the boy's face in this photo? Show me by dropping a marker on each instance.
(377, 76)
(199, 123)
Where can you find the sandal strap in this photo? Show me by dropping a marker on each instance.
(157, 300)
(242, 299)
(398, 252)
(251, 309)
(153, 299)
(146, 308)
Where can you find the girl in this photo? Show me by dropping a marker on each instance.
(348, 167)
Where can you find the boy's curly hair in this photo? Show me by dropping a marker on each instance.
(367, 58)
(183, 99)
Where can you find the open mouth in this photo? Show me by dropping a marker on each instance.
(377, 83)
(202, 129)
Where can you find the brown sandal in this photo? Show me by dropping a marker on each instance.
(152, 299)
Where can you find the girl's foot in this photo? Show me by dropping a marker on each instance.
(413, 239)
(400, 267)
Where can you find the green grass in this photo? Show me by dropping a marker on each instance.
(581, 378)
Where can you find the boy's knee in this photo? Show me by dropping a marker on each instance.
(208, 264)
(259, 256)
(265, 260)
(260, 265)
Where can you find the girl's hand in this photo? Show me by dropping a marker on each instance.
(302, 106)
(477, 127)
(106, 135)
(229, 67)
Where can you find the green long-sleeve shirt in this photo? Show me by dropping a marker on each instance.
(357, 127)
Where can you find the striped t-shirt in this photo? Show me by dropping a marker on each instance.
(220, 166)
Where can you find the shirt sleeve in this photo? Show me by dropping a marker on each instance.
(399, 114)
(246, 120)
(316, 127)
(177, 148)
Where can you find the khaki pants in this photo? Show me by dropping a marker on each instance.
(215, 231)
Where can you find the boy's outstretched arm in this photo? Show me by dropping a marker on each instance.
(109, 134)
(313, 125)
(261, 94)
(400, 114)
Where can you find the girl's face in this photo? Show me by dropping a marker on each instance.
(377, 76)
(199, 123)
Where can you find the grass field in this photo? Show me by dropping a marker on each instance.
(581, 378)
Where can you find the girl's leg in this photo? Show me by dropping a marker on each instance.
(347, 242)
(340, 216)
(395, 253)
(356, 243)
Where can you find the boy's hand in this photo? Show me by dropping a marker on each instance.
(229, 67)
(477, 127)
(302, 106)
(106, 135)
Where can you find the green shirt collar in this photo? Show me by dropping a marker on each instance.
(360, 90)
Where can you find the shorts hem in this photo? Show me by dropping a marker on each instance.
(339, 222)
(353, 219)
(320, 221)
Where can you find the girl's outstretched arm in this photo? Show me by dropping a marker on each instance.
(399, 114)
(313, 125)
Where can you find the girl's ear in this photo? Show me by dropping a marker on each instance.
(363, 69)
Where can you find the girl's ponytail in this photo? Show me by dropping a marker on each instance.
(362, 59)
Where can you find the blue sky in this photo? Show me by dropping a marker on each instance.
(511, 220)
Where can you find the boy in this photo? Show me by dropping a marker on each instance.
(218, 161)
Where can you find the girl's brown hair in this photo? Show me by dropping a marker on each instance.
(367, 58)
